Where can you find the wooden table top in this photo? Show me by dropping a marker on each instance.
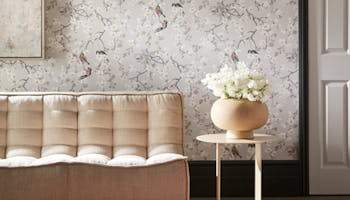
(222, 139)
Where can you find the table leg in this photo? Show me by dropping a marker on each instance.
(218, 171)
(258, 171)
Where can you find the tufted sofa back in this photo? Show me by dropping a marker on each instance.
(75, 124)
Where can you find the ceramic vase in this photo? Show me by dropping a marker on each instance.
(239, 117)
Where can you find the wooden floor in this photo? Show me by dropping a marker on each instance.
(285, 198)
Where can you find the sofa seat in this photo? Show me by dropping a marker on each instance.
(121, 161)
(81, 181)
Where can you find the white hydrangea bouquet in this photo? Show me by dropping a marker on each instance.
(242, 83)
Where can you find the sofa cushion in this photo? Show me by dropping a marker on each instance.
(130, 123)
(59, 149)
(15, 151)
(94, 149)
(25, 123)
(121, 161)
(165, 124)
(95, 125)
(52, 159)
(127, 160)
(92, 159)
(18, 161)
(60, 131)
(3, 125)
(2, 152)
(113, 124)
(164, 157)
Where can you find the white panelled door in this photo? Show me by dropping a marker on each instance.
(329, 96)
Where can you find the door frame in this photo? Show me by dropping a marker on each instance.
(303, 96)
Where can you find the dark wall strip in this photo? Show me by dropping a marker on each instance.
(303, 95)
(280, 178)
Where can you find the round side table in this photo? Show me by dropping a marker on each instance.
(258, 140)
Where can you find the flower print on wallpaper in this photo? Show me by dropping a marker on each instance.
(129, 46)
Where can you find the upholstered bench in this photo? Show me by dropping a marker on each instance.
(93, 145)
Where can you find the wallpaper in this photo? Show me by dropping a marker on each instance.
(20, 26)
(117, 45)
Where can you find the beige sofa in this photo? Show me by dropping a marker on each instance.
(81, 146)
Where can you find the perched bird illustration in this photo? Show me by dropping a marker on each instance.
(234, 57)
(83, 59)
(235, 152)
(159, 11)
(176, 5)
(87, 73)
(101, 52)
(164, 26)
(252, 51)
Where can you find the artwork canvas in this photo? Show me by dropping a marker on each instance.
(21, 29)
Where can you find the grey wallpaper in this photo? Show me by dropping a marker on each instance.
(170, 45)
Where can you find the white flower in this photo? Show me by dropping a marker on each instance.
(252, 84)
(243, 83)
(251, 97)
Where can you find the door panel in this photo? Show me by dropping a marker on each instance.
(335, 25)
(335, 133)
(329, 75)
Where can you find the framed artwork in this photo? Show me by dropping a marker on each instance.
(22, 29)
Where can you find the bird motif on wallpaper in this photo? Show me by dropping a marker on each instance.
(159, 11)
(101, 52)
(176, 5)
(179, 6)
(235, 152)
(234, 57)
(252, 51)
(88, 72)
(164, 26)
(83, 59)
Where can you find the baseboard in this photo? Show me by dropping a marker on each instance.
(280, 178)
